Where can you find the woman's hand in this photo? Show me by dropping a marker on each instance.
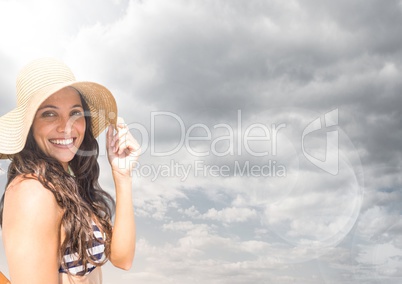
(123, 150)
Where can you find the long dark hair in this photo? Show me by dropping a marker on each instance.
(80, 196)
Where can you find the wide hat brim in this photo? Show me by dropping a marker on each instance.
(15, 125)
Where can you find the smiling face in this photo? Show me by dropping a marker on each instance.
(59, 125)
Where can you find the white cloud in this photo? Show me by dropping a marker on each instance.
(229, 215)
(383, 259)
(225, 216)
(379, 223)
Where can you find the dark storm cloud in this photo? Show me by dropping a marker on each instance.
(376, 25)
(216, 58)
(222, 57)
(334, 55)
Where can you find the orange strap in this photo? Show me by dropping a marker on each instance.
(3, 279)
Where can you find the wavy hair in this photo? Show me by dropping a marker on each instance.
(80, 196)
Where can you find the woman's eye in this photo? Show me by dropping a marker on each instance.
(76, 113)
(48, 114)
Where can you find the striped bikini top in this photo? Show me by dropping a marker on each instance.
(74, 265)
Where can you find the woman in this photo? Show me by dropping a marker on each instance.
(55, 217)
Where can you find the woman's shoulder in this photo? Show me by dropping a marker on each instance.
(27, 192)
(29, 184)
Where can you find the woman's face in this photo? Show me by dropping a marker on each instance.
(59, 125)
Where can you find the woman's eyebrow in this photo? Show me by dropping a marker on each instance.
(47, 106)
(55, 107)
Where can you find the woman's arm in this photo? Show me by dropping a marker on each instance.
(123, 152)
(31, 232)
(123, 238)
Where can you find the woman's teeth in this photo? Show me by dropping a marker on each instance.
(61, 141)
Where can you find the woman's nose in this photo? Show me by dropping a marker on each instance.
(64, 125)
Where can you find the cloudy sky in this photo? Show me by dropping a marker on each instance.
(271, 130)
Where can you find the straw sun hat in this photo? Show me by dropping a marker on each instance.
(35, 83)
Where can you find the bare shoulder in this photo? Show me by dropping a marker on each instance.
(27, 196)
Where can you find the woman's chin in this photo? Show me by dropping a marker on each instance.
(64, 160)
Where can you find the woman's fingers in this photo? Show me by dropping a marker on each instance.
(109, 138)
(126, 144)
(122, 141)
